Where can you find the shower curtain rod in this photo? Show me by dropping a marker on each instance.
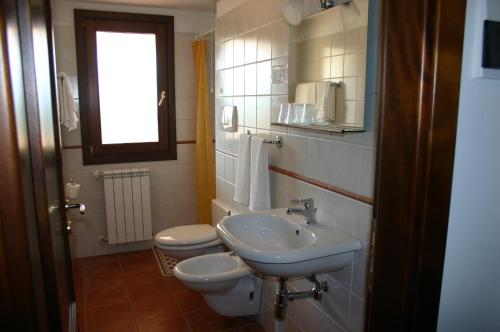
(201, 35)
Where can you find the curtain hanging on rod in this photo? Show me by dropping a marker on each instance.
(205, 150)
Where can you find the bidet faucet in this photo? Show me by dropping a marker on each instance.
(308, 210)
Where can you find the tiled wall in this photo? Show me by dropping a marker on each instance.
(172, 182)
(248, 40)
(338, 56)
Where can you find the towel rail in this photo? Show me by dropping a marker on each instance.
(278, 140)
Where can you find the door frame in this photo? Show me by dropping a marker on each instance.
(421, 61)
(30, 289)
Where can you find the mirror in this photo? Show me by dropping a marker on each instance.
(327, 70)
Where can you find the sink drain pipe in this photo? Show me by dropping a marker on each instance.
(283, 295)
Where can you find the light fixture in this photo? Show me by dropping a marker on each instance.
(293, 11)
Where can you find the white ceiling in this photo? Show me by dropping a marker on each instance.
(194, 5)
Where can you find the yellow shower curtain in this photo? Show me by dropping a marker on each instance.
(205, 152)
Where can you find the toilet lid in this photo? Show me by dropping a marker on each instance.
(185, 235)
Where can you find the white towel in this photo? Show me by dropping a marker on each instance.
(69, 119)
(325, 100)
(260, 196)
(242, 181)
(305, 93)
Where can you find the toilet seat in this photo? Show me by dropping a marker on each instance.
(212, 268)
(189, 247)
(186, 235)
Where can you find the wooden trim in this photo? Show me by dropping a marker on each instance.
(87, 22)
(18, 308)
(314, 182)
(186, 142)
(70, 147)
(421, 48)
(322, 185)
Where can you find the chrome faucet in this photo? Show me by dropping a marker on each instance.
(308, 210)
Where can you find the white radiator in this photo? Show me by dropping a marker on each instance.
(128, 204)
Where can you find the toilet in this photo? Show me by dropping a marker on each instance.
(188, 241)
(183, 242)
(228, 285)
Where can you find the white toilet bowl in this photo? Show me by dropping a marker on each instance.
(182, 242)
(228, 285)
(188, 241)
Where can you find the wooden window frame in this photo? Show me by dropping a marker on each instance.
(87, 22)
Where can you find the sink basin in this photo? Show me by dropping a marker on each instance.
(277, 244)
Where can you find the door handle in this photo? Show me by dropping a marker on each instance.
(68, 206)
(163, 96)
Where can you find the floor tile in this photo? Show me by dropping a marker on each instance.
(208, 320)
(109, 315)
(188, 300)
(107, 294)
(168, 323)
(118, 327)
(153, 307)
(127, 292)
(174, 285)
(252, 328)
(138, 291)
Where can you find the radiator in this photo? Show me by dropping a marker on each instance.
(128, 204)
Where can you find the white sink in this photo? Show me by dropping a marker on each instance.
(277, 244)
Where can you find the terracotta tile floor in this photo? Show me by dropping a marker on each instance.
(126, 292)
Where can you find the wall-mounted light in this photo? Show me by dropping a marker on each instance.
(293, 11)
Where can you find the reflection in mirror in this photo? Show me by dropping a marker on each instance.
(327, 70)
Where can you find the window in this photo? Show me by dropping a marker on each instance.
(126, 86)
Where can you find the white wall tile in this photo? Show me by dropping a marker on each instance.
(264, 78)
(239, 50)
(186, 130)
(336, 301)
(318, 159)
(351, 64)
(280, 37)
(239, 81)
(185, 174)
(250, 47)
(239, 102)
(357, 314)
(228, 82)
(186, 153)
(250, 112)
(363, 216)
(264, 112)
(345, 165)
(359, 273)
(294, 152)
(229, 169)
(337, 66)
(219, 164)
(251, 79)
(164, 175)
(317, 320)
(229, 141)
(264, 43)
(228, 54)
(185, 109)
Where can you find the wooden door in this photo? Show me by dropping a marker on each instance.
(420, 66)
(39, 293)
